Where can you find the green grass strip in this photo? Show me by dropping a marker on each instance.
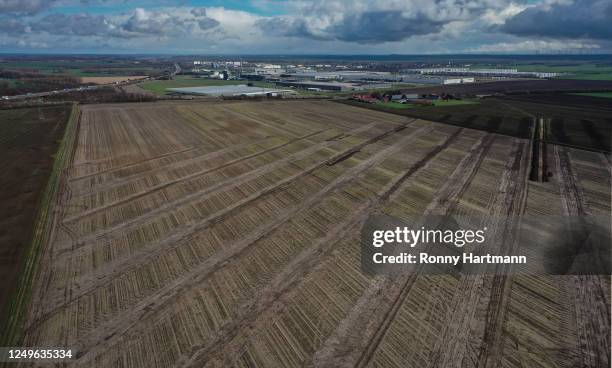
(595, 94)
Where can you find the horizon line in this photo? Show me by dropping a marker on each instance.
(305, 54)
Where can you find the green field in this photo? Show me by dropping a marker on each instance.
(455, 102)
(78, 68)
(595, 94)
(395, 105)
(11, 82)
(575, 71)
(159, 87)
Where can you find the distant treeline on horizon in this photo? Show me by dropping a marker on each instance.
(340, 57)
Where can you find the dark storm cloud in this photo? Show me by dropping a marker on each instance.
(366, 27)
(203, 21)
(154, 23)
(207, 23)
(582, 19)
(289, 27)
(11, 26)
(198, 12)
(371, 22)
(145, 24)
(139, 24)
(381, 26)
(73, 25)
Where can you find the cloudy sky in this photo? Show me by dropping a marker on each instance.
(306, 26)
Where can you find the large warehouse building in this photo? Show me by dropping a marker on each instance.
(513, 73)
(230, 90)
(328, 86)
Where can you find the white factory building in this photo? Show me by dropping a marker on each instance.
(458, 80)
(485, 72)
(230, 90)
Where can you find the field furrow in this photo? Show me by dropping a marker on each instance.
(228, 234)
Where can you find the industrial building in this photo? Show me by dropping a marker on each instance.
(230, 90)
(458, 80)
(421, 79)
(344, 75)
(484, 72)
(317, 85)
(361, 77)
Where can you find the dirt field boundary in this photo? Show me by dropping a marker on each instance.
(17, 306)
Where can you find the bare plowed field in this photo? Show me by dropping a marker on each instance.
(227, 235)
(29, 139)
(108, 80)
(577, 121)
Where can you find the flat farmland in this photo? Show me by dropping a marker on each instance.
(226, 234)
(29, 139)
(577, 121)
(108, 80)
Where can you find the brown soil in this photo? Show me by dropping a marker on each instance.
(228, 234)
(28, 140)
(107, 80)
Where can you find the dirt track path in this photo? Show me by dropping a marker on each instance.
(348, 347)
(343, 348)
(113, 169)
(40, 283)
(506, 211)
(443, 202)
(588, 301)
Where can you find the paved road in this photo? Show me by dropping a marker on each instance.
(177, 69)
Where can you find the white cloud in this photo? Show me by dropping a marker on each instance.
(498, 17)
(306, 26)
(366, 21)
(32, 44)
(234, 22)
(536, 45)
(137, 23)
